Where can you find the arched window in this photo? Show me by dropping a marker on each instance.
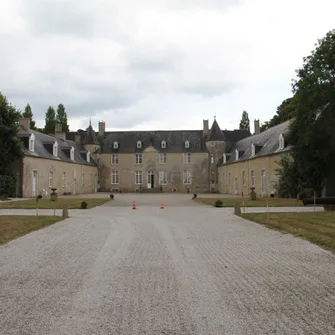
(281, 142)
(55, 149)
(236, 155)
(32, 143)
(163, 144)
(88, 156)
(115, 145)
(139, 144)
(253, 149)
(187, 144)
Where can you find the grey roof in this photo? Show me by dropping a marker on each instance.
(215, 133)
(90, 137)
(266, 142)
(44, 144)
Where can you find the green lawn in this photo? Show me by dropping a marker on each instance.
(73, 203)
(259, 202)
(316, 227)
(13, 226)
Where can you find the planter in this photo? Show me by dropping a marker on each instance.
(53, 194)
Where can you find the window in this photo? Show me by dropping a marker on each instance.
(82, 180)
(89, 180)
(253, 149)
(115, 145)
(263, 182)
(88, 156)
(187, 158)
(51, 179)
(139, 144)
(72, 153)
(281, 142)
(252, 177)
(244, 179)
(229, 178)
(64, 179)
(224, 158)
(187, 144)
(187, 177)
(55, 149)
(138, 159)
(115, 159)
(163, 144)
(32, 143)
(236, 154)
(212, 159)
(162, 158)
(162, 178)
(224, 178)
(115, 177)
(138, 177)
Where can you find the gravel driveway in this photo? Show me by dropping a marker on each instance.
(181, 270)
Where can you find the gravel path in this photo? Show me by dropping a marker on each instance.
(182, 270)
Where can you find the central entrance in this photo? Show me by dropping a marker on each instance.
(151, 179)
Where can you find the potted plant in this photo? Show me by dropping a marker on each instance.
(252, 193)
(53, 194)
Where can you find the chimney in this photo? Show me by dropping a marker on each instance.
(257, 127)
(102, 128)
(59, 132)
(205, 127)
(77, 138)
(25, 123)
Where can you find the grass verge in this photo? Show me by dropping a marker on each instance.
(316, 227)
(260, 202)
(45, 203)
(13, 226)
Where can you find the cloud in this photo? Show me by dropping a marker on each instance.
(155, 63)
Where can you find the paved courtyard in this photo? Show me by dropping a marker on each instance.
(187, 269)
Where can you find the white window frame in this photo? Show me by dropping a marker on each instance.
(138, 159)
(252, 178)
(163, 144)
(253, 149)
(236, 155)
(139, 144)
(162, 178)
(64, 180)
(82, 180)
(187, 144)
(51, 179)
(115, 177)
(138, 177)
(55, 149)
(187, 177)
(32, 143)
(115, 159)
(88, 156)
(162, 158)
(263, 182)
(72, 153)
(187, 158)
(281, 142)
(224, 156)
(115, 145)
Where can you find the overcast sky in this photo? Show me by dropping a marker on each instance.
(156, 64)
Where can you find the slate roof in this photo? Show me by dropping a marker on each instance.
(91, 137)
(44, 144)
(215, 133)
(266, 142)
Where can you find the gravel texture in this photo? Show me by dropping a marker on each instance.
(181, 270)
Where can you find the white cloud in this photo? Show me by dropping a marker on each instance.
(156, 63)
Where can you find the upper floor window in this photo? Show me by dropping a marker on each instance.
(115, 145)
(72, 153)
(236, 155)
(187, 144)
(281, 142)
(115, 159)
(162, 158)
(253, 149)
(55, 149)
(138, 159)
(32, 143)
(88, 156)
(224, 156)
(163, 144)
(187, 158)
(139, 144)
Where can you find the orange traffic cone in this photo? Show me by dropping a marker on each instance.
(134, 205)
(162, 205)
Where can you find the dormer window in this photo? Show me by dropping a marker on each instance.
(163, 144)
(55, 149)
(115, 145)
(187, 144)
(253, 149)
(236, 155)
(72, 153)
(281, 142)
(224, 158)
(32, 143)
(139, 144)
(88, 157)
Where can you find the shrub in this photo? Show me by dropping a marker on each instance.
(83, 205)
(218, 203)
(7, 185)
(111, 196)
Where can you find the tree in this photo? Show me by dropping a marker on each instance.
(245, 122)
(50, 121)
(29, 114)
(61, 118)
(312, 132)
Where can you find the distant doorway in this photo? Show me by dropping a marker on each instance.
(151, 179)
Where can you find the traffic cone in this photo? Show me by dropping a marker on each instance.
(162, 205)
(134, 205)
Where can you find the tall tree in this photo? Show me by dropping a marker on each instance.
(245, 122)
(61, 118)
(10, 145)
(50, 121)
(29, 114)
(312, 132)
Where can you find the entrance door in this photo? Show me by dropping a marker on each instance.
(34, 186)
(151, 179)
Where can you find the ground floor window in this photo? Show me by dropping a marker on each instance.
(162, 178)
(187, 177)
(138, 178)
(51, 179)
(64, 179)
(252, 177)
(115, 177)
(82, 179)
(244, 179)
(89, 180)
